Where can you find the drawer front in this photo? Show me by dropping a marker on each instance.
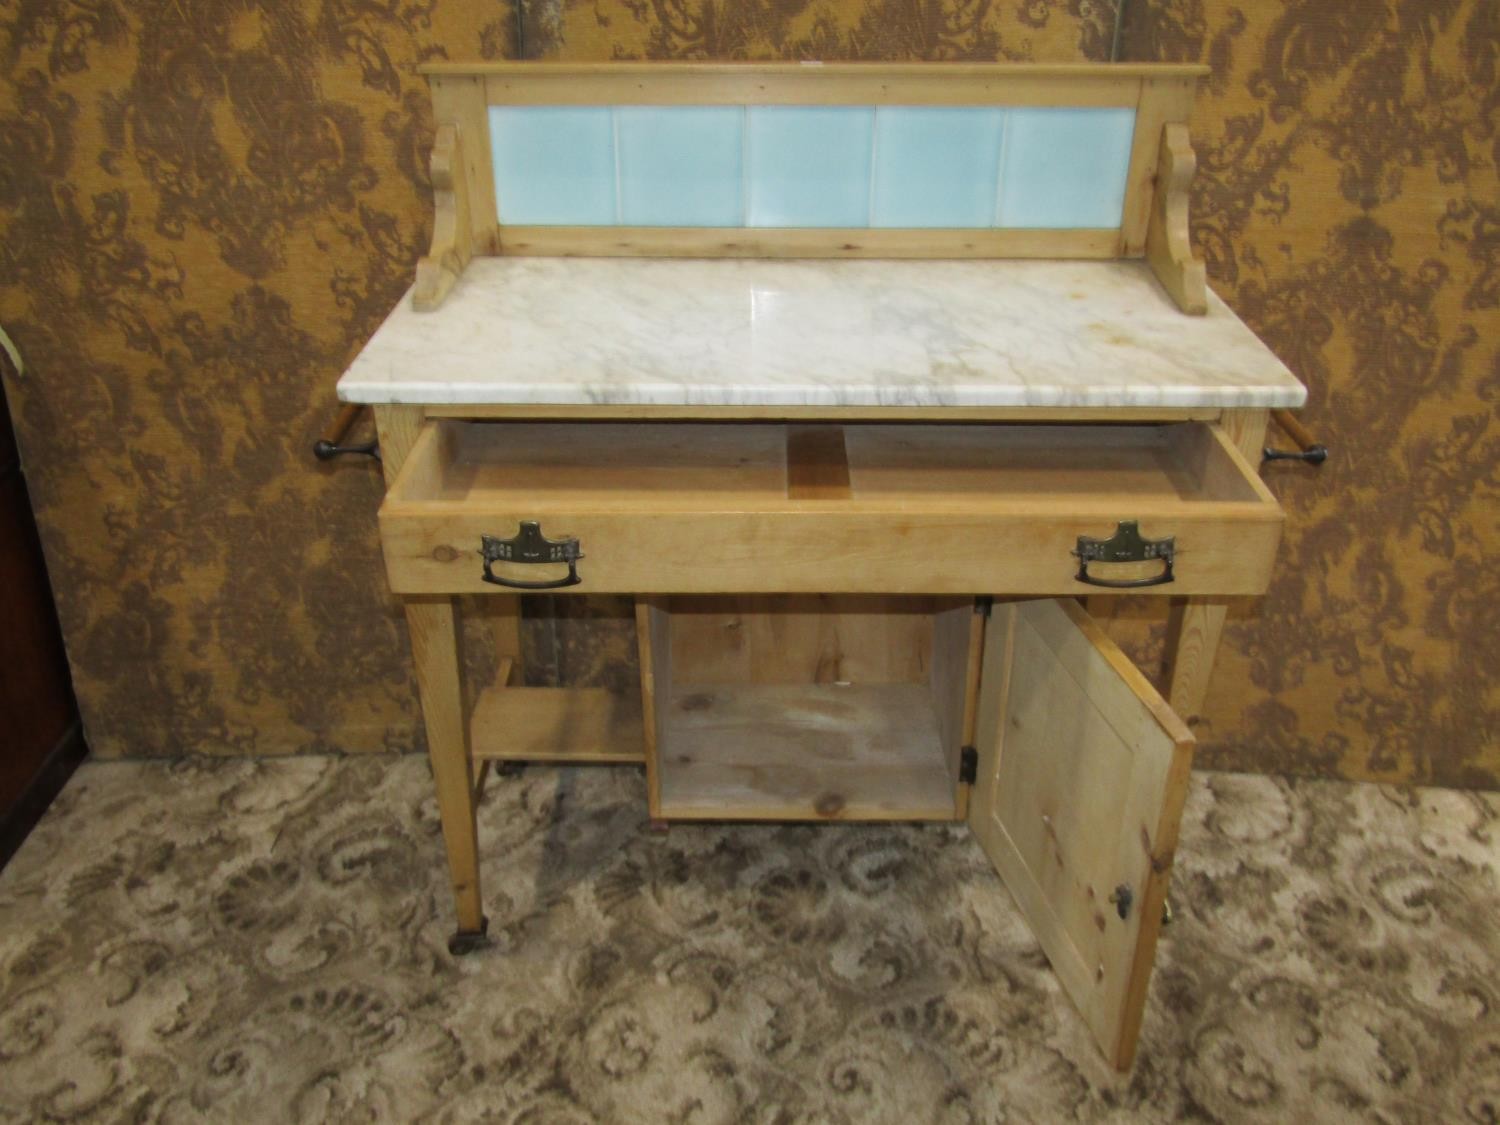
(820, 553)
(912, 536)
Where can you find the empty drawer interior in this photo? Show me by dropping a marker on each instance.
(599, 466)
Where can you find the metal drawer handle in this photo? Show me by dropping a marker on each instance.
(1125, 545)
(530, 546)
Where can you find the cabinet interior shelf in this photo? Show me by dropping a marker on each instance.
(803, 752)
(805, 708)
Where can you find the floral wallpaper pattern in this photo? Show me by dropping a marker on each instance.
(206, 206)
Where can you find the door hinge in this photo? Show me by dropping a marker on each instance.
(983, 605)
(968, 765)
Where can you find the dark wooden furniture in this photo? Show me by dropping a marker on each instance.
(41, 739)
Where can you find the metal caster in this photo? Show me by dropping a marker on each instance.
(467, 941)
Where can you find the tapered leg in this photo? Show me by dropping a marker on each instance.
(1196, 624)
(1193, 635)
(434, 643)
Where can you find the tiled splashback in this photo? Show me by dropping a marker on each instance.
(810, 166)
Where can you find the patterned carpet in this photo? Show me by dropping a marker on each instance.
(244, 941)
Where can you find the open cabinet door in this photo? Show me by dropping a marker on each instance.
(1082, 772)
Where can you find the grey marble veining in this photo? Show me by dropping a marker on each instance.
(571, 331)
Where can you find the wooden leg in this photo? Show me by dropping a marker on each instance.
(1193, 630)
(434, 644)
(654, 640)
(1192, 641)
(1196, 624)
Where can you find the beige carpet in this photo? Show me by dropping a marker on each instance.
(247, 941)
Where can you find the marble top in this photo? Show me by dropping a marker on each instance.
(759, 332)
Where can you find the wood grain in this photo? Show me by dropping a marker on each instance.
(461, 100)
(557, 724)
(803, 752)
(1163, 100)
(1196, 625)
(954, 83)
(1083, 769)
(706, 509)
(397, 429)
(816, 465)
(803, 639)
(452, 233)
(573, 71)
(952, 630)
(1288, 423)
(434, 643)
(654, 640)
(821, 414)
(978, 627)
(797, 242)
(1168, 248)
(466, 214)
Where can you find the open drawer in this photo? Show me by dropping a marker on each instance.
(860, 508)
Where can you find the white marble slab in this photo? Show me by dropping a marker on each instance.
(568, 331)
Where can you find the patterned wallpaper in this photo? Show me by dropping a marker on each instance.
(207, 205)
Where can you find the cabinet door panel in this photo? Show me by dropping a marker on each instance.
(1082, 773)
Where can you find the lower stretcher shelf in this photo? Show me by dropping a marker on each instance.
(557, 724)
(803, 752)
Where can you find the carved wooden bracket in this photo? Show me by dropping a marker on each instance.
(1167, 246)
(452, 234)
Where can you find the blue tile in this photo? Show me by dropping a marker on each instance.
(1065, 167)
(681, 166)
(554, 165)
(936, 167)
(809, 166)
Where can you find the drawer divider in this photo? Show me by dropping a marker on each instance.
(817, 465)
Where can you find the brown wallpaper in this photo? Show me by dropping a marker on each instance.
(207, 205)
